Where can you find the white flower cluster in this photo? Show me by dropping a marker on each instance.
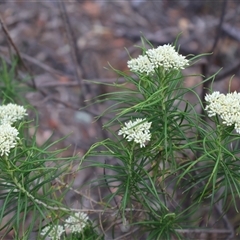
(138, 131)
(75, 224)
(226, 106)
(8, 138)
(141, 64)
(9, 114)
(164, 56)
(55, 232)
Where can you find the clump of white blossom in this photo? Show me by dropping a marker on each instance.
(226, 106)
(11, 113)
(164, 56)
(137, 131)
(8, 138)
(141, 64)
(55, 232)
(77, 223)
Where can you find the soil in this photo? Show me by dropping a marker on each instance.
(67, 45)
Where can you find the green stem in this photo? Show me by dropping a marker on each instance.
(213, 176)
(24, 191)
(165, 120)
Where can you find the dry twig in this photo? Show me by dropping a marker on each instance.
(74, 50)
(5, 30)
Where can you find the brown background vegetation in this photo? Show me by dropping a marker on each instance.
(64, 43)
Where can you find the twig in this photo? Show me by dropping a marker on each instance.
(127, 234)
(220, 231)
(228, 71)
(228, 225)
(43, 66)
(74, 49)
(77, 192)
(5, 30)
(100, 223)
(231, 31)
(205, 69)
(29, 195)
(219, 30)
(59, 73)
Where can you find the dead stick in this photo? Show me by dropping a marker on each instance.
(5, 30)
(73, 48)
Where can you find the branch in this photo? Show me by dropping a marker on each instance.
(205, 67)
(74, 49)
(5, 30)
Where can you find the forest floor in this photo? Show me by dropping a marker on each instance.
(65, 45)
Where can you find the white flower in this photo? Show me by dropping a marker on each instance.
(215, 101)
(55, 232)
(141, 65)
(138, 131)
(77, 222)
(8, 138)
(164, 56)
(226, 106)
(213, 97)
(167, 57)
(237, 126)
(11, 113)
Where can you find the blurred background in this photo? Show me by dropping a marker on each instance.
(62, 44)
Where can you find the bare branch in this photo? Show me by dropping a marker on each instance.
(5, 30)
(74, 49)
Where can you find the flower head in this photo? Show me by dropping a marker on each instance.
(167, 57)
(138, 131)
(141, 65)
(11, 113)
(77, 222)
(8, 138)
(226, 106)
(164, 56)
(55, 232)
(215, 102)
